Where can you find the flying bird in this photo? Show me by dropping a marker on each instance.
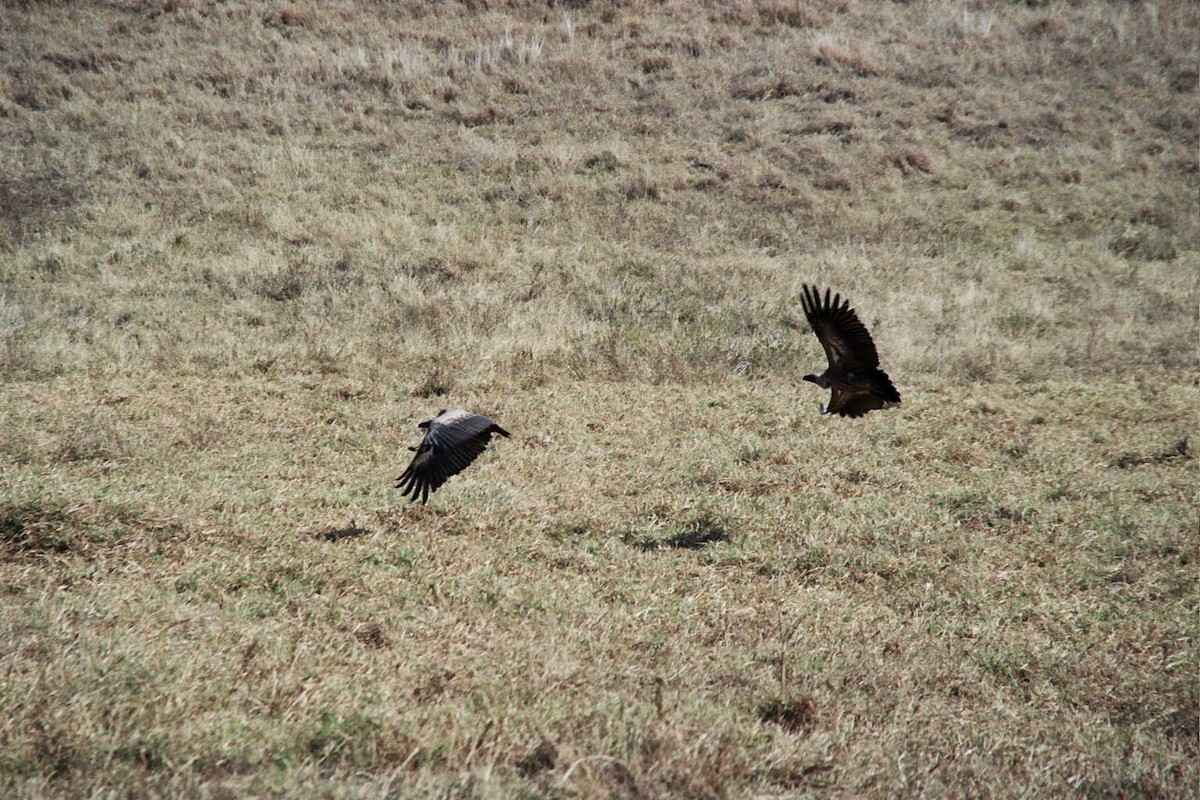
(453, 439)
(858, 384)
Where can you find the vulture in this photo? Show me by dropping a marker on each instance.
(453, 439)
(858, 384)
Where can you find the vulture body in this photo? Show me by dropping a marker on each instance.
(858, 384)
(453, 439)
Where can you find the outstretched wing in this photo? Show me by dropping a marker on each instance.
(453, 440)
(847, 343)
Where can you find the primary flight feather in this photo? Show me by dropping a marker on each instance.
(858, 384)
(453, 439)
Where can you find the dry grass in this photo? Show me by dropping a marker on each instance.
(245, 247)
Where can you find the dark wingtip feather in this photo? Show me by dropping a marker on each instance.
(887, 389)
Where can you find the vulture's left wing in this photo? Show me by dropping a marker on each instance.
(847, 343)
(454, 439)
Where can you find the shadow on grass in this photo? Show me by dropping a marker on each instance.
(351, 531)
(35, 527)
(1177, 453)
(55, 526)
(695, 535)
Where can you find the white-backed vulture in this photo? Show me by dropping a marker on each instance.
(453, 439)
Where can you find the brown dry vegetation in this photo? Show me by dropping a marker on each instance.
(244, 247)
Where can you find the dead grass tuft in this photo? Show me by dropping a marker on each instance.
(911, 160)
(641, 188)
(793, 15)
(838, 52)
(38, 197)
(762, 85)
(794, 715)
(542, 758)
(291, 17)
(438, 382)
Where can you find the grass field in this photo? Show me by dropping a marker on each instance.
(246, 247)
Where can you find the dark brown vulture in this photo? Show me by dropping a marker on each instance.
(858, 384)
(453, 439)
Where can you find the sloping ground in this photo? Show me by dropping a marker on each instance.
(634, 189)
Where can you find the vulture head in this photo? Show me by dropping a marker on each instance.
(858, 384)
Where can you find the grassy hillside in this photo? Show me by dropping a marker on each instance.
(246, 247)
